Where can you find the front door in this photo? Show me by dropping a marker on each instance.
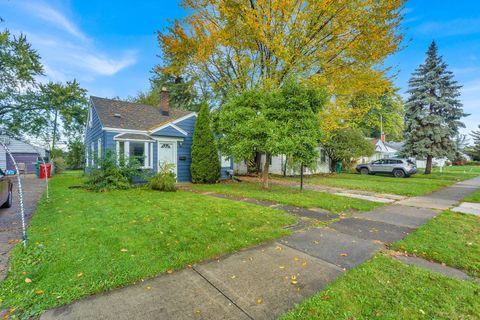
(167, 154)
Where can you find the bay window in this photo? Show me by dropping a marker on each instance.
(139, 151)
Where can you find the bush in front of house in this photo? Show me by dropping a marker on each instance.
(164, 180)
(112, 174)
(205, 167)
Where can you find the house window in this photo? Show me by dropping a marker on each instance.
(225, 162)
(323, 156)
(99, 147)
(137, 151)
(92, 147)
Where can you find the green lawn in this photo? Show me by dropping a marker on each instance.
(385, 288)
(290, 196)
(418, 184)
(474, 197)
(451, 238)
(82, 242)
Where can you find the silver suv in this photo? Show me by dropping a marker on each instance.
(400, 168)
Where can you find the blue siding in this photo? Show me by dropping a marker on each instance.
(168, 132)
(184, 157)
(185, 151)
(91, 135)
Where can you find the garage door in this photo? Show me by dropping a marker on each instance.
(28, 158)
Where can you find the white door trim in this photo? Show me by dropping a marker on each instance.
(175, 160)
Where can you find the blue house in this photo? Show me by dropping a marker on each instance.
(155, 134)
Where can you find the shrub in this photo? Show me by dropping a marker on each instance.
(110, 175)
(59, 165)
(205, 167)
(164, 180)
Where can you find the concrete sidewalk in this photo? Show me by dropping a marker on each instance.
(265, 281)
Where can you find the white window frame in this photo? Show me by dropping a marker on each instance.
(148, 151)
(99, 147)
(93, 153)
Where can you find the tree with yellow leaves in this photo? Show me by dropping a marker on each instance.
(242, 44)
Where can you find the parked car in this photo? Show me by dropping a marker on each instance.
(400, 168)
(6, 187)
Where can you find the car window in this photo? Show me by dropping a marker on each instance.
(378, 162)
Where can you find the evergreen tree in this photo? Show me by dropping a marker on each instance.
(475, 150)
(433, 110)
(205, 167)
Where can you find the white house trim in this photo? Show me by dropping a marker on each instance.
(185, 133)
(193, 114)
(118, 130)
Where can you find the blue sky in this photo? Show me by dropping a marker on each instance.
(110, 47)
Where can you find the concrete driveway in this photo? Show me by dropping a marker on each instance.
(10, 220)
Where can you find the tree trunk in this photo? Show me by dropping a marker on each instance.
(301, 177)
(258, 162)
(266, 167)
(428, 166)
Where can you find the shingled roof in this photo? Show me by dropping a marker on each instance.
(134, 116)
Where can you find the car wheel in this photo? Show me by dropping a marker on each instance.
(8, 203)
(399, 173)
(364, 171)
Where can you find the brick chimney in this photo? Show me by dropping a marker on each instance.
(164, 104)
(382, 137)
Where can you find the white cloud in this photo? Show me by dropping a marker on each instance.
(67, 52)
(49, 14)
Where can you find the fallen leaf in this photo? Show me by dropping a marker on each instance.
(344, 254)
(28, 280)
(233, 276)
(169, 271)
(377, 314)
(304, 263)
(80, 274)
(421, 311)
(282, 267)
(124, 250)
(315, 242)
(39, 292)
(325, 297)
(148, 288)
(294, 282)
(296, 259)
(259, 300)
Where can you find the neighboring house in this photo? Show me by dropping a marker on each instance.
(385, 150)
(279, 165)
(154, 134)
(22, 152)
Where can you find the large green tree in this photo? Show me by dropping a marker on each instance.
(19, 67)
(63, 112)
(386, 112)
(347, 144)
(181, 92)
(205, 167)
(433, 110)
(45, 111)
(273, 122)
